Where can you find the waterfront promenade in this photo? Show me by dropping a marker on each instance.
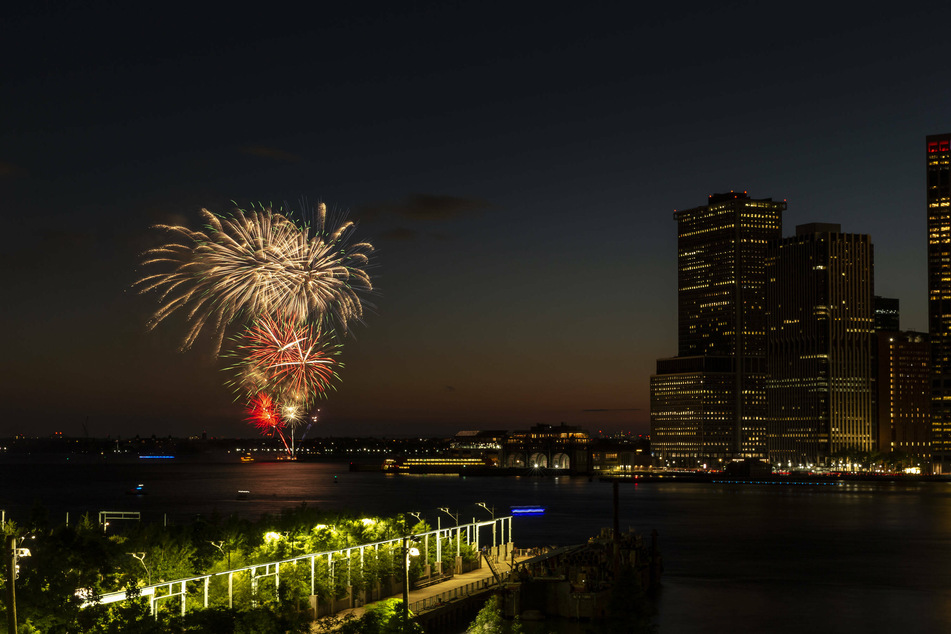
(445, 593)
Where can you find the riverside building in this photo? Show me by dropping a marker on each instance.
(938, 183)
(708, 403)
(820, 344)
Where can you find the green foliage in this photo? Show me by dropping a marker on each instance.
(64, 560)
(383, 617)
(489, 620)
(82, 557)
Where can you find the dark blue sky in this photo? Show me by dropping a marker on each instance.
(516, 167)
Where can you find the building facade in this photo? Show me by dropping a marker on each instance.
(887, 313)
(548, 447)
(938, 188)
(708, 403)
(820, 346)
(904, 396)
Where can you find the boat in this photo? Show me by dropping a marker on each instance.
(138, 489)
(247, 458)
(434, 464)
(528, 510)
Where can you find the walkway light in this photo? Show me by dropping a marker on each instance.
(407, 553)
(455, 518)
(141, 558)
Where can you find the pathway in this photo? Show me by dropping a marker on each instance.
(458, 585)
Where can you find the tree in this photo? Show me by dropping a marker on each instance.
(490, 620)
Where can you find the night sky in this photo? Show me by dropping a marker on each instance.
(516, 167)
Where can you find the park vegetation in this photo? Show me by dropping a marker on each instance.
(72, 565)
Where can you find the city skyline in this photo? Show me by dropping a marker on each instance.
(518, 178)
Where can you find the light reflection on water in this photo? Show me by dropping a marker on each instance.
(856, 557)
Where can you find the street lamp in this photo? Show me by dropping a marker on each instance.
(12, 573)
(491, 512)
(407, 553)
(141, 558)
(455, 518)
(220, 546)
(445, 509)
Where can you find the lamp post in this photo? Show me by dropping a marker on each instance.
(455, 518)
(14, 553)
(141, 558)
(11, 590)
(490, 510)
(407, 553)
(220, 546)
(492, 513)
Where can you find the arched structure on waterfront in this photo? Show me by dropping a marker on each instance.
(548, 447)
(515, 460)
(538, 460)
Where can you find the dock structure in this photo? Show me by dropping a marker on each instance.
(576, 582)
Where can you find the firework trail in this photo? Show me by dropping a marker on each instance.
(258, 262)
(294, 362)
(263, 414)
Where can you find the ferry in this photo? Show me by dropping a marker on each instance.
(434, 464)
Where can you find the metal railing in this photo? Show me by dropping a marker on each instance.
(459, 592)
(180, 587)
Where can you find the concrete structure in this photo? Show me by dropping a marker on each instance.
(708, 403)
(821, 324)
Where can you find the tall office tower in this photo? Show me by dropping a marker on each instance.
(819, 391)
(904, 394)
(939, 295)
(886, 313)
(708, 404)
(886, 310)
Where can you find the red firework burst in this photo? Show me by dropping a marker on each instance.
(296, 362)
(263, 414)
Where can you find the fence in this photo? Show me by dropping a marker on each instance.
(474, 587)
(180, 588)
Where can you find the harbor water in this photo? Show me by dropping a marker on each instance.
(855, 557)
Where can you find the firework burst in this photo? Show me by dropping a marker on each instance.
(263, 413)
(258, 262)
(295, 362)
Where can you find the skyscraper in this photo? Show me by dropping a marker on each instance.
(938, 185)
(904, 395)
(821, 322)
(708, 403)
(886, 313)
